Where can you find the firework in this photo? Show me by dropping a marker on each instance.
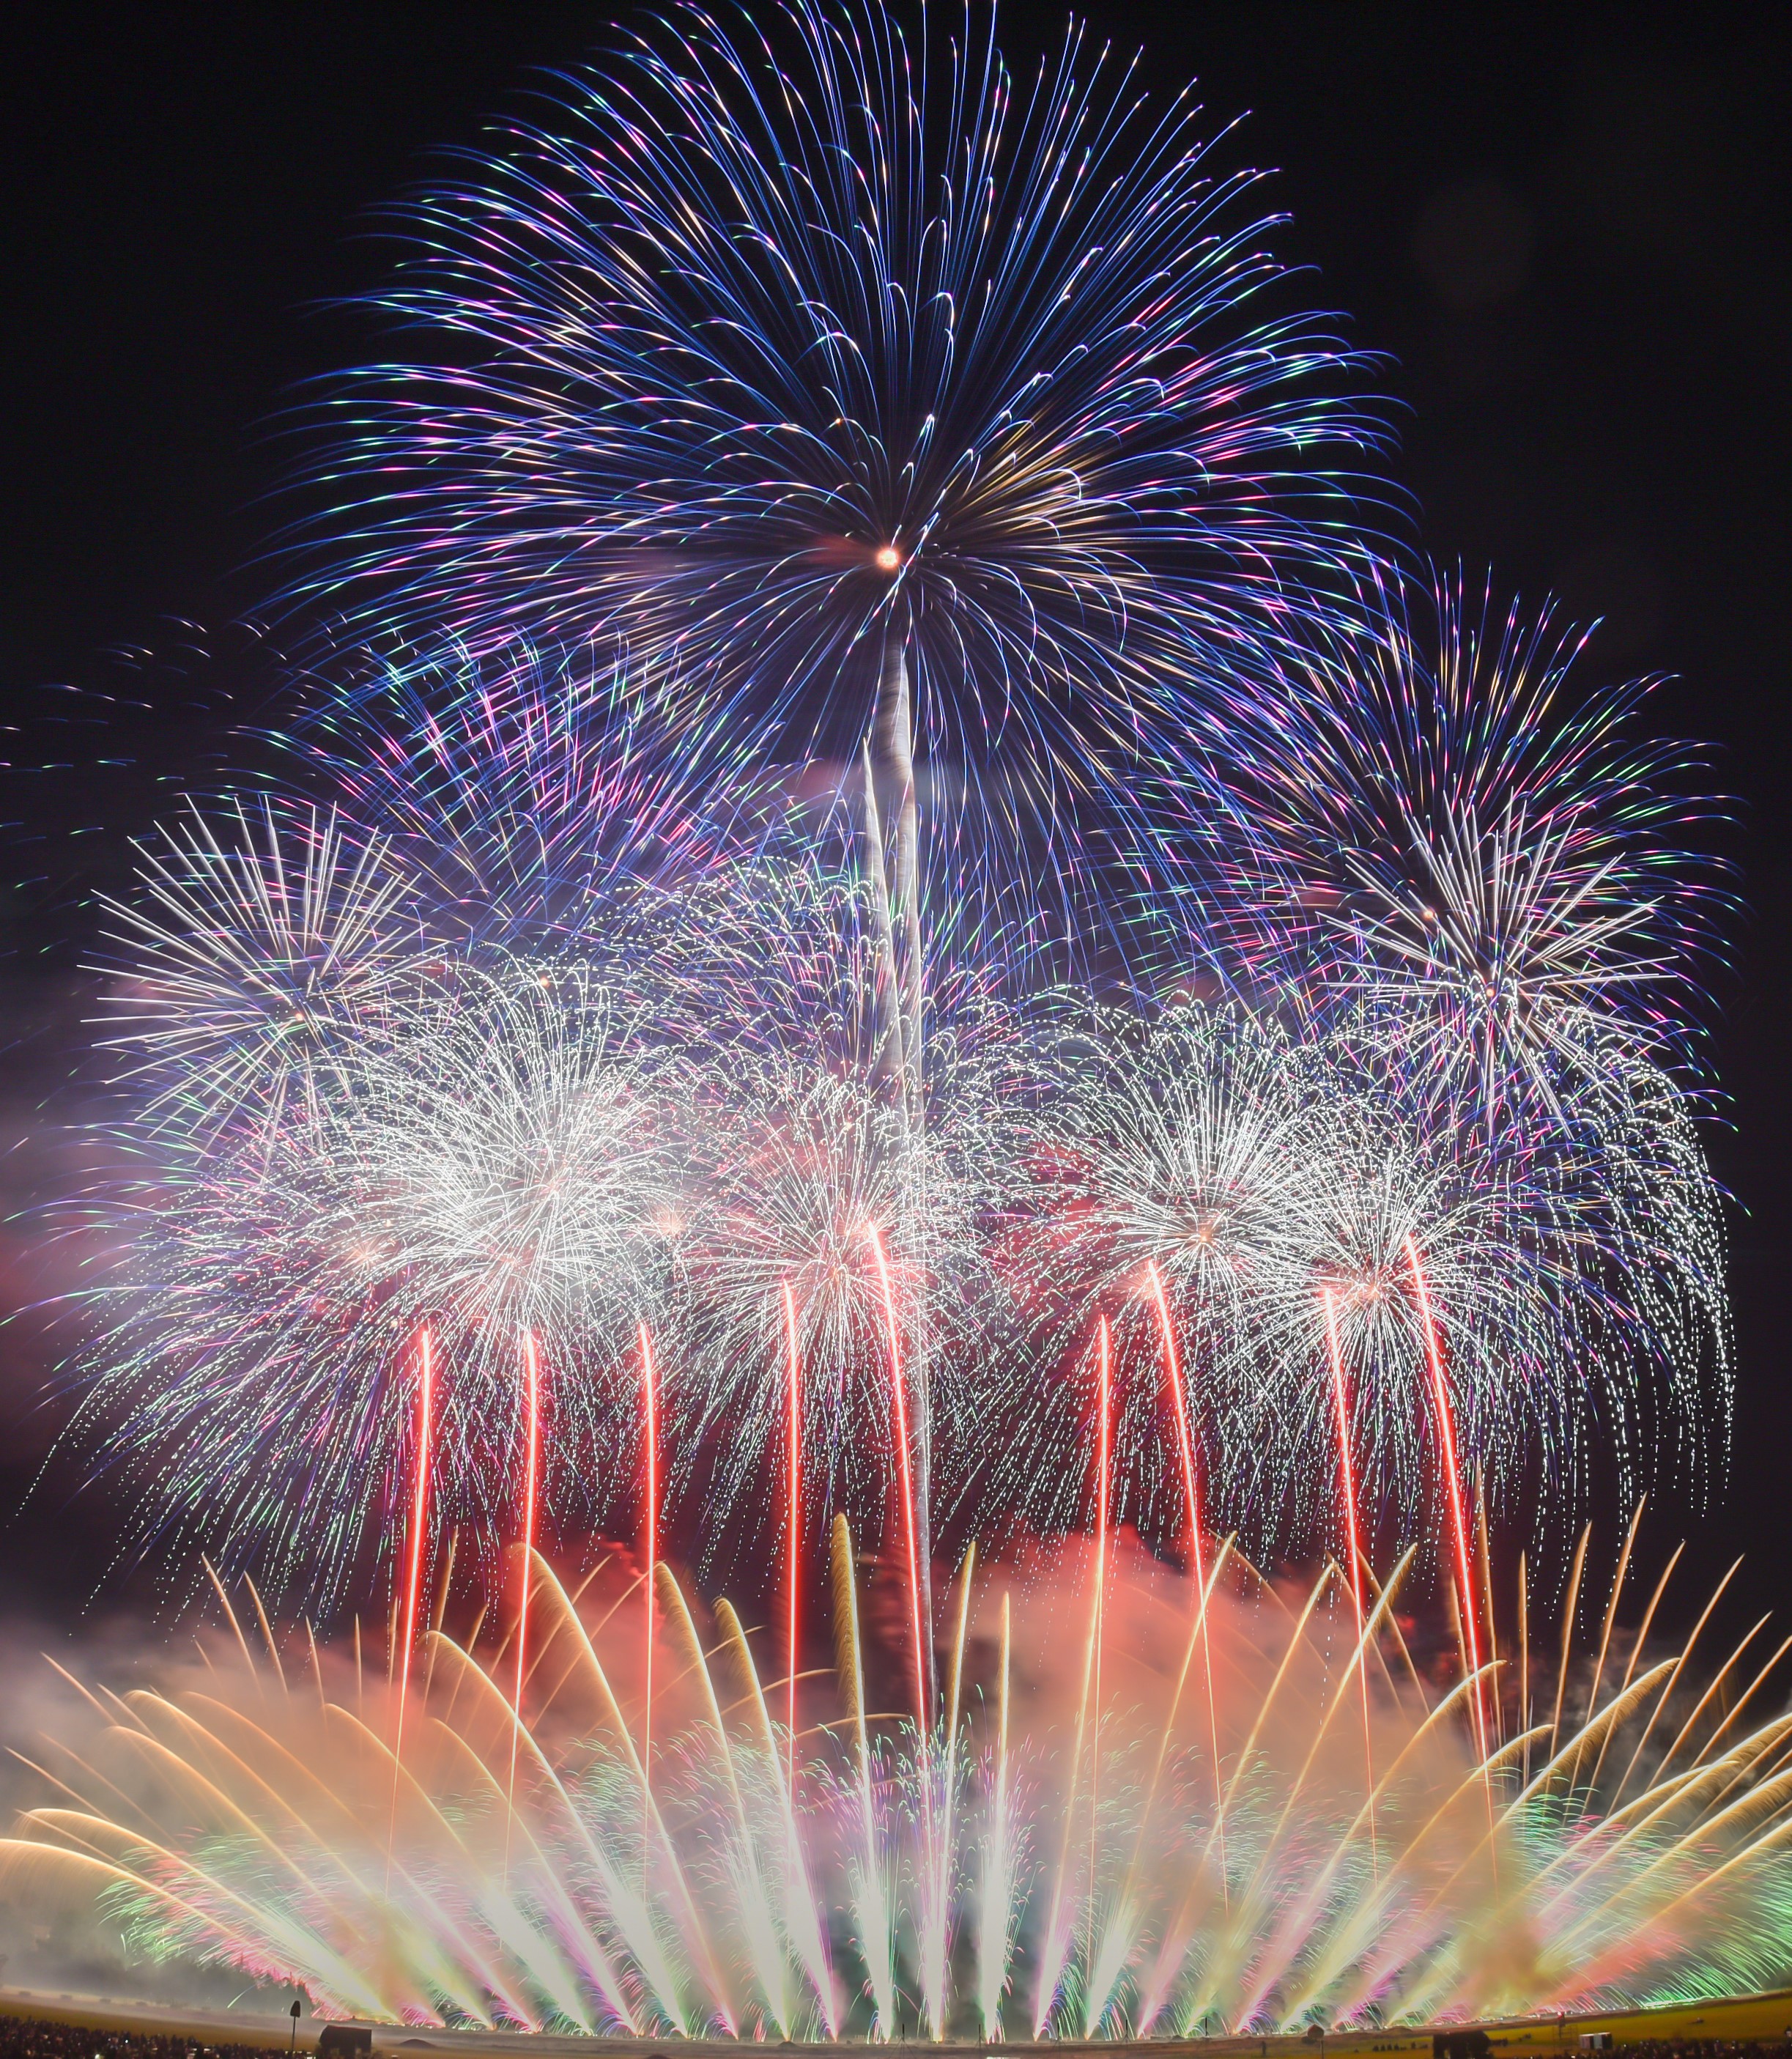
(496, 1169)
(521, 1160)
(1597, 1210)
(868, 1211)
(1230, 1201)
(815, 1171)
(674, 1129)
(916, 422)
(859, 551)
(261, 952)
(1620, 1843)
(1442, 818)
(1470, 883)
(1236, 1199)
(1167, 1160)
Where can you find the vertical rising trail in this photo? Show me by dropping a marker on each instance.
(996, 1912)
(919, 1627)
(413, 1575)
(1104, 1492)
(420, 1511)
(650, 1552)
(792, 1569)
(936, 1914)
(1353, 1548)
(1446, 1441)
(889, 1061)
(905, 1478)
(531, 1459)
(871, 1899)
(1172, 1374)
(890, 764)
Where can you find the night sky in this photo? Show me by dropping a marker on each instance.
(1565, 227)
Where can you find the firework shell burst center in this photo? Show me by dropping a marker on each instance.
(888, 936)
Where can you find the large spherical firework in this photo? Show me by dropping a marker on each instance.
(263, 948)
(781, 355)
(523, 1160)
(1456, 828)
(1159, 1185)
(497, 1173)
(1472, 886)
(1583, 1234)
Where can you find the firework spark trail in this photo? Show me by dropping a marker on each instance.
(650, 1559)
(1172, 1374)
(413, 1577)
(911, 1542)
(1452, 1488)
(792, 1571)
(923, 1641)
(936, 1961)
(1104, 1496)
(1060, 1928)
(1353, 1548)
(867, 1877)
(1169, 1146)
(995, 1914)
(1154, 1987)
(531, 1461)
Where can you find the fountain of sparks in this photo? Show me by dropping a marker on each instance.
(610, 1815)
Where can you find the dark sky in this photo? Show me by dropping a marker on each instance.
(1567, 228)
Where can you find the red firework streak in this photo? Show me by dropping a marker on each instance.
(1104, 1489)
(793, 1569)
(1447, 1438)
(413, 1578)
(420, 1511)
(899, 1404)
(1172, 1375)
(650, 1551)
(1340, 1402)
(532, 1466)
